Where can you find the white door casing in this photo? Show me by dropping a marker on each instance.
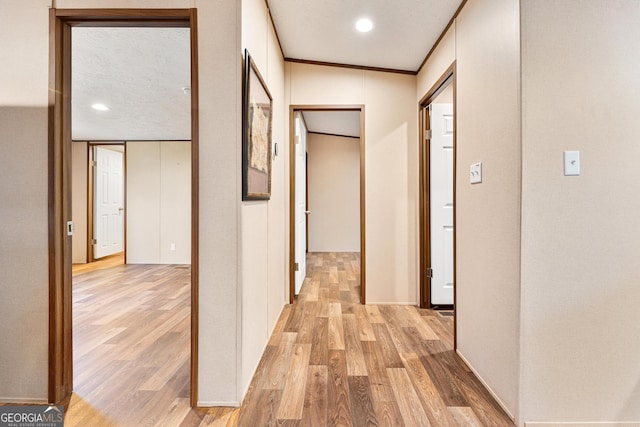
(441, 203)
(300, 201)
(108, 211)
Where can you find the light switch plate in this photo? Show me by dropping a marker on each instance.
(571, 163)
(475, 173)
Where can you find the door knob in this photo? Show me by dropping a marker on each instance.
(307, 212)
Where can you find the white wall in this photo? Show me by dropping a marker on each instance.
(334, 193)
(175, 202)
(581, 235)
(158, 202)
(24, 249)
(79, 170)
(220, 74)
(488, 214)
(391, 167)
(143, 202)
(442, 57)
(484, 42)
(264, 278)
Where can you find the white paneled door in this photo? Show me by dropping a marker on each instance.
(108, 209)
(441, 203)
(301, 202)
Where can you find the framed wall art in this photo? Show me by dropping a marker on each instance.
(257, 115)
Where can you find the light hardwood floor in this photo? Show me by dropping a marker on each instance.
(130, 343)
(101, 264)
(329, 362)
(131, 347)
(334, 362)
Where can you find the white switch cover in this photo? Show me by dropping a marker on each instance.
(571, 163)
(475, 173)
(173, 246)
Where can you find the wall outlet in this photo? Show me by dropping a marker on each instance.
(173, 247)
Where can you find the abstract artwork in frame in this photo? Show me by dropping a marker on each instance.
(256, 134)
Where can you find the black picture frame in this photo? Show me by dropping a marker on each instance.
(257, 116)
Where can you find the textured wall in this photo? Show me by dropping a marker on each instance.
(484, 42)
(334, 193)
(488, 214)
(158, 202)
(264, 272)
(580, 235)
(24, 273)
(79, 170)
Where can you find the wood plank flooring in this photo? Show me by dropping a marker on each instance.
(101, 264)
(329, 362)
(131, 344)
(131, 341)
(334, 362)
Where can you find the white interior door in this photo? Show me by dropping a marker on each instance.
(441, 203)
(108, 209)
(300, 202)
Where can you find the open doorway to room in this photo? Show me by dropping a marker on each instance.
(98, 203)
(106, 201)
(131, 301)
(437, 196)
(127, 76)
(327, 200)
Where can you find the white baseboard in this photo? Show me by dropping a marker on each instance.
(484, 383)
(584, 424)
(213, 403)
(27, 401)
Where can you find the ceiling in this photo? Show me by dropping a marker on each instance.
(140, 73)
(342, 123)
(404, 30)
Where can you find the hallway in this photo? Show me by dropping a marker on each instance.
(331, 361)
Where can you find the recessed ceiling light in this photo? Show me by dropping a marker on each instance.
(364, 25)
(100, 107)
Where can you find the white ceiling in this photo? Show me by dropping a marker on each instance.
(139, 74)
(343, 123)
(404, 30)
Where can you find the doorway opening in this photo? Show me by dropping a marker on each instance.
(437, 195)
(63, 130)
(98, 185)
(327, 216)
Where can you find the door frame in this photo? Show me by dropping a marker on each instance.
(292, 183)
(90, 196)
(60, 376)
(448, 77)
